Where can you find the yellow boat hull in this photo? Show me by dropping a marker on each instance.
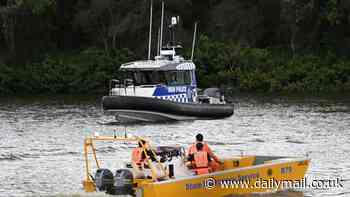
(237, 175)
(233, 179)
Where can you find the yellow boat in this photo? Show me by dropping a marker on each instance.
(168, 176)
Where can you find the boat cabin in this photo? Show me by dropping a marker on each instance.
(168, 77)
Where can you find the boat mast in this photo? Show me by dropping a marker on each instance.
(194, 39)
(158, 45)
(161, 27)
(150, 31)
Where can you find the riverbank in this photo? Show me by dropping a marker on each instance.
(267, 46)
(235, 68)
(244, 69)
(78, 72)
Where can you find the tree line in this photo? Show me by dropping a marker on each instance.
(57, 46)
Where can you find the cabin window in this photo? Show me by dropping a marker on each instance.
(148, 78)
(175, 78)
(170, 78)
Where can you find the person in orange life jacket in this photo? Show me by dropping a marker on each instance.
(199, 160)
(138, 157)
(215, 162)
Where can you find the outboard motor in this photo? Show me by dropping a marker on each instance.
(104, 180)
(123, 182)
(212, 96)
(212, 92)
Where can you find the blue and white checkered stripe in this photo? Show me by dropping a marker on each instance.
(180, 98)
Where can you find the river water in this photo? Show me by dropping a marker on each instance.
(41, 140)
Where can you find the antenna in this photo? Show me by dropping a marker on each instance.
(159, 45)
(174, 21)
(194, 39)
(161, 27)
(150, 31)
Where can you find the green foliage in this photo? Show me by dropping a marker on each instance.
(332, 13)
(223, 64)
(262, 70)
(87, 71)
(5, 78)
(219, 64)
(38, 7)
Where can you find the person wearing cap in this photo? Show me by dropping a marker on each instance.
(215, 161)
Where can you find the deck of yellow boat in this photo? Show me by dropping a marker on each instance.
(253, 172)
(237, 175)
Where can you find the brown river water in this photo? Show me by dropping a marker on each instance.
(41, 140)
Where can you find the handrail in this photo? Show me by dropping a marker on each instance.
(115, 81)
(89, 142)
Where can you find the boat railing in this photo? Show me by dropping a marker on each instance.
(116, 86)
(114, 83)
(90, 149)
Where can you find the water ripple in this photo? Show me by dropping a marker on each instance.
(41, 143)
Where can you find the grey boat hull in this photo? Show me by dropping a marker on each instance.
(129, 109)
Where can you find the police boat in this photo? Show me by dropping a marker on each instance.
(163, 89)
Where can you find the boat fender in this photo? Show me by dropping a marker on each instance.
(123, 182)
(104, 179)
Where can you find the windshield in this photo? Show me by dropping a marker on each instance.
(178, 78)
(170, 78)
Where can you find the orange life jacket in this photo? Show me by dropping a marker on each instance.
(193, 148)
(137, 156)
(201, 159)
(206, 148)
(201, 162)
(200, 171)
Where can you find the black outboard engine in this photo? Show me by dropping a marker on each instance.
(123, 182)
(104, 180)
(213, 92)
